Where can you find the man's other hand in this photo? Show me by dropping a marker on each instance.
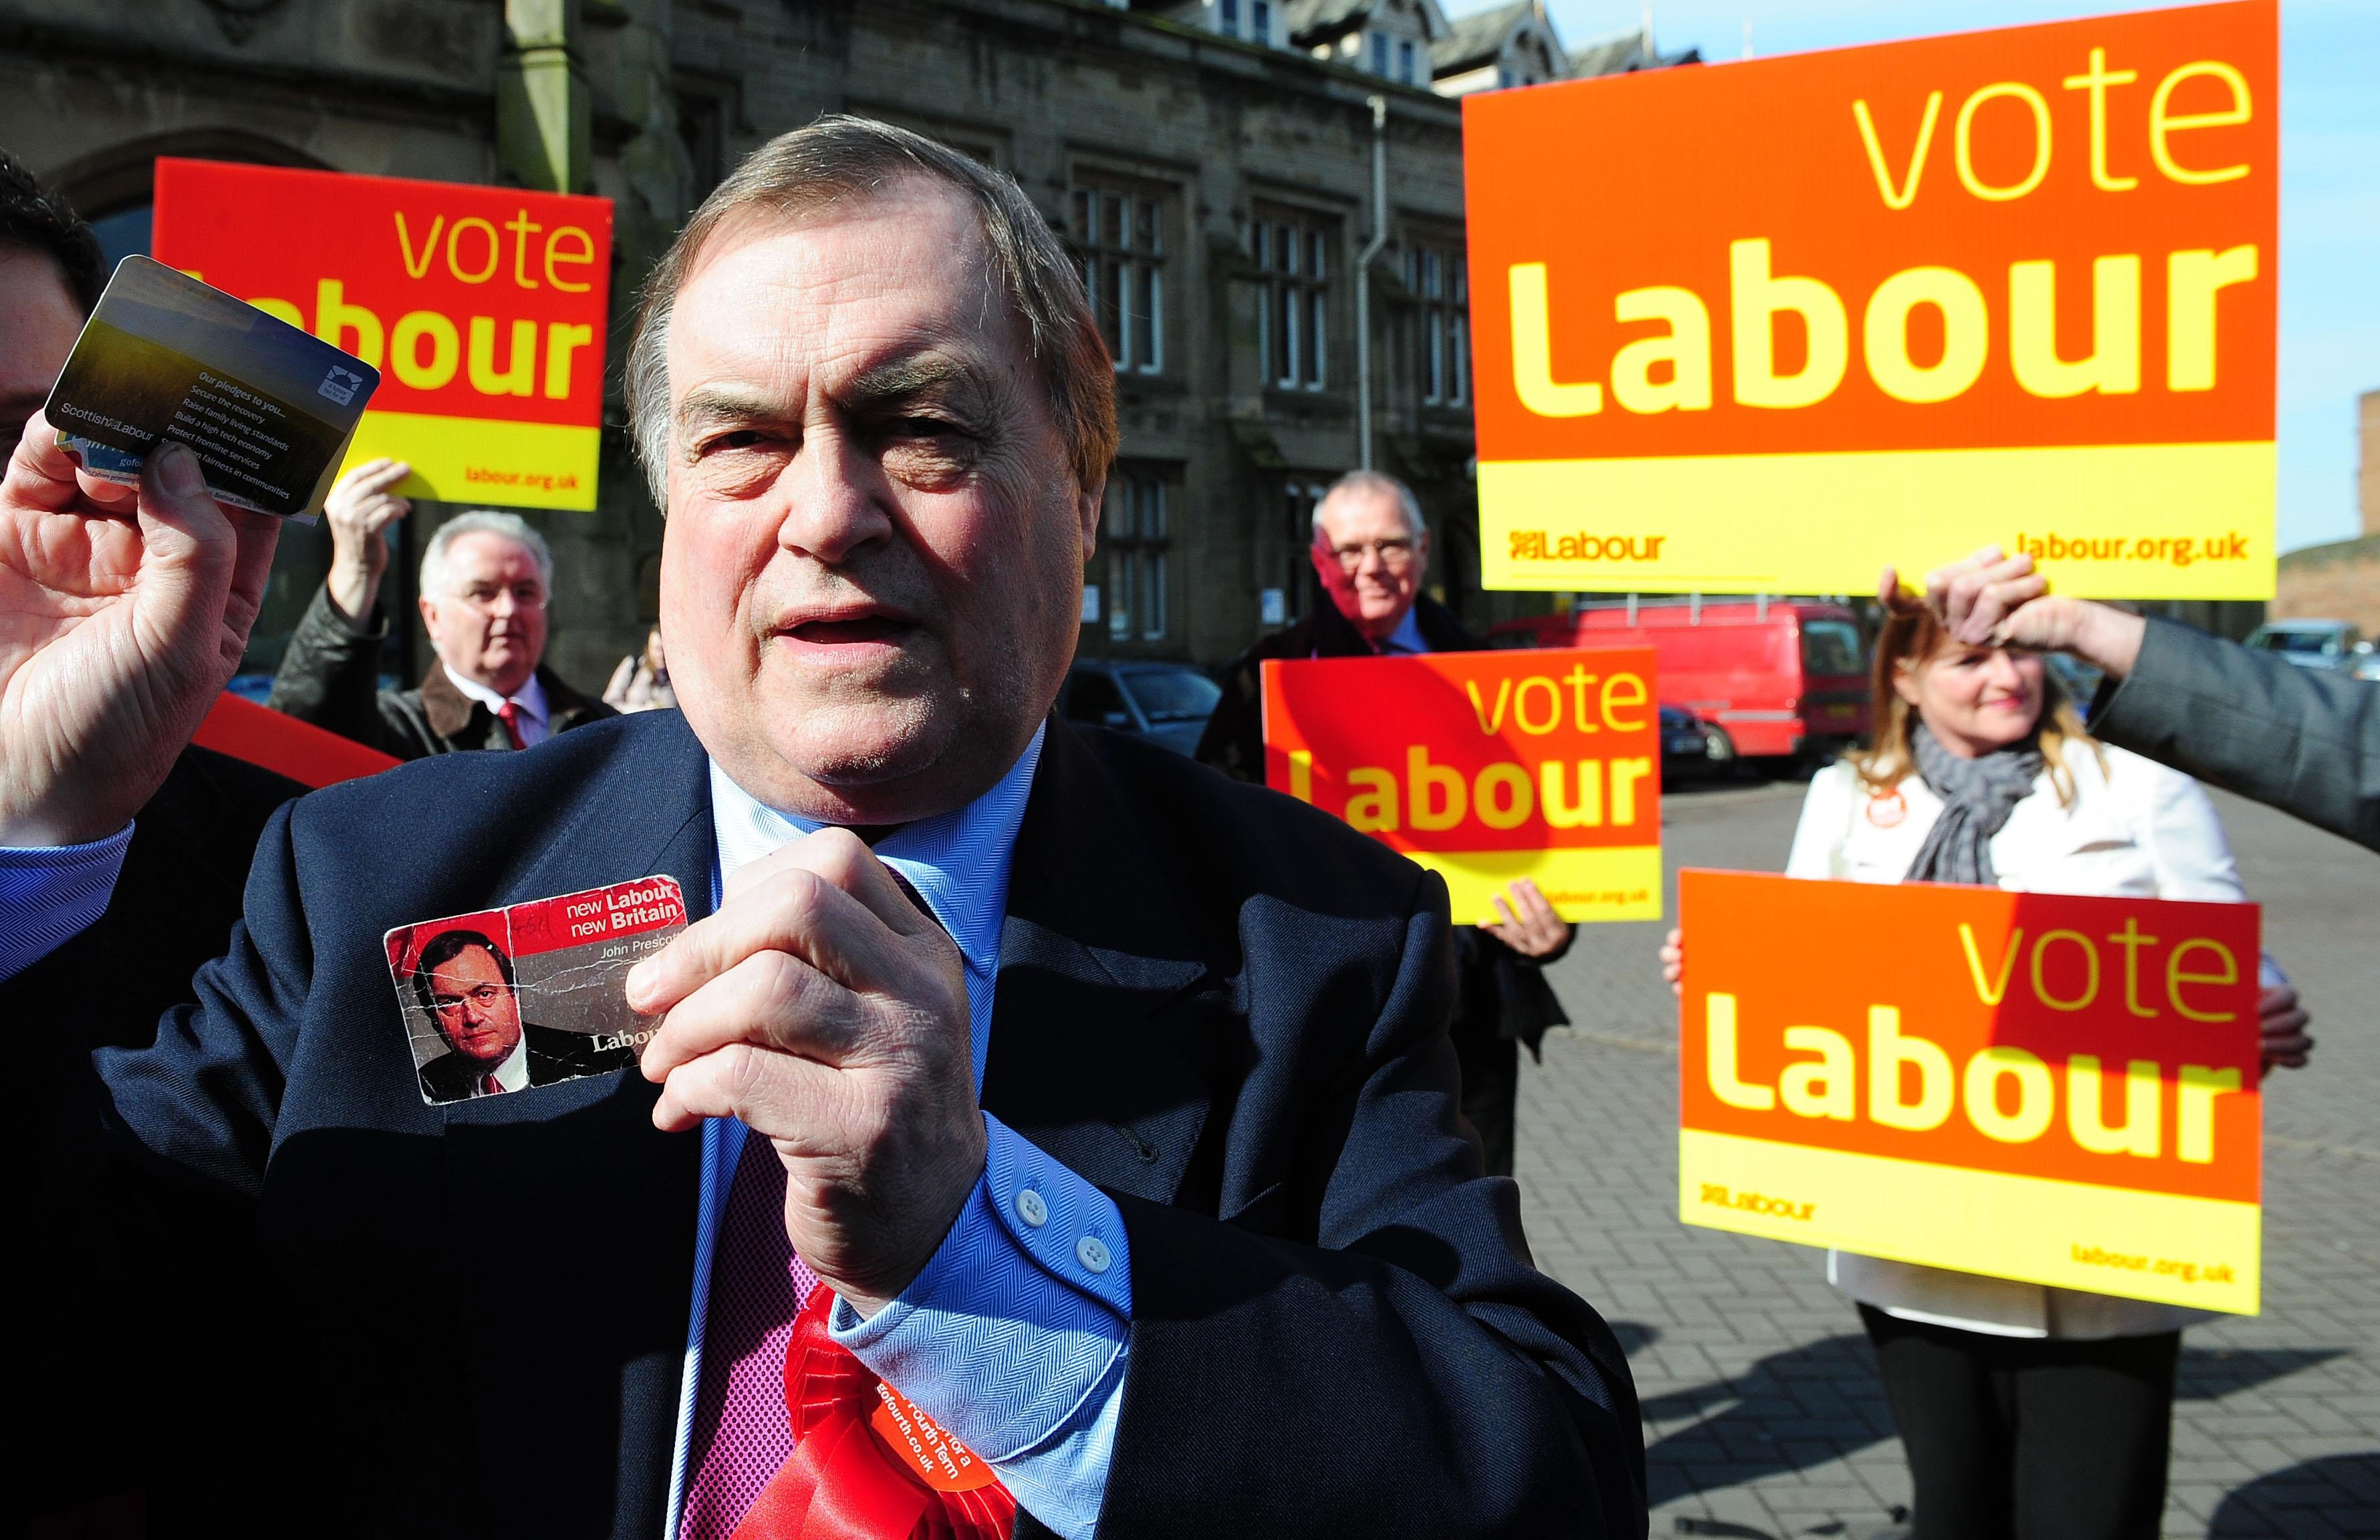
(1993, 599)
(2281, 1024)
(362, 505)
(122, 613)
(828, 1014)
(1528, 923)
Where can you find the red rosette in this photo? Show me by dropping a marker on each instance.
(867, 1463)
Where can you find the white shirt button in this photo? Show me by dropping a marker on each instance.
(1092, 1253)
(1031, 1209)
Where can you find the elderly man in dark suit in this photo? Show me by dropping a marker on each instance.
(1371, 558)
(486, 578)
(1041, 1135)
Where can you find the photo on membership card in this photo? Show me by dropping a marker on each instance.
(268, 408)
(531, 995)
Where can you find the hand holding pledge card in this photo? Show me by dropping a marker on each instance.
(268, 408)
(531, 995)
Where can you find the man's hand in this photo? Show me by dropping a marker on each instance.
(1991, 600)
(825, 1011)
(2282, 1022)
(360, 507)
(123, 614)
(1528, 924)
(1673, 961)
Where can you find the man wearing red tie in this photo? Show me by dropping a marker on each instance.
(486, 578)
(1039, 1134)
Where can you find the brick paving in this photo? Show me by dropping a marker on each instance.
(1762, 1408)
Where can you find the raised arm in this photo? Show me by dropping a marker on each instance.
(2305, 742)
(122, 613)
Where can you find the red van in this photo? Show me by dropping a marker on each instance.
(1778, 677)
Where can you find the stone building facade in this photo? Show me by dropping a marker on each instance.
(1219, 189)
(2340, 580)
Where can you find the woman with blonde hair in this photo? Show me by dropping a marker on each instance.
(2025, 1410)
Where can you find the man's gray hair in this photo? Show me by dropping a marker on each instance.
(511, 527)
(1377, 483)
(841, 159)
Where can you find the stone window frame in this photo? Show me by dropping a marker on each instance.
(1437, 277)
(1117, 226)
(1301, 494)
(1255, 13)
(1292, 249)
(1137, 547)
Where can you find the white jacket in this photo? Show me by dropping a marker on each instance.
(2134, 828)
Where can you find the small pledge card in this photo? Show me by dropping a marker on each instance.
(531, 995)
(268, 408)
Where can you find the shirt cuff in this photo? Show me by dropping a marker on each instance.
(1013, 1335)
(50, 896)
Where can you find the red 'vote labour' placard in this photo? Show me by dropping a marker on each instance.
(1486, 767)
(483, 308)
(1761, 327)
(2054, 1089)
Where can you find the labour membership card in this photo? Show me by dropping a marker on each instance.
(531, 995)
(268, 408)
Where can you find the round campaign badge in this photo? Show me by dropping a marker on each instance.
(922, 1448)
(1887, 810)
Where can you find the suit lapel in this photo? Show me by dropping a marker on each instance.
(570, 1218)
(1102, 1026)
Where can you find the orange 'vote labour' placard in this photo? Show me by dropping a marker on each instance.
(1486, 767)
(1765, 326)
(483, 308)
(2059, 1090)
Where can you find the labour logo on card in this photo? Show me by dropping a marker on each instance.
(531, 995)
(340, 386)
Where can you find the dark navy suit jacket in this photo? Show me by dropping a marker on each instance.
(1222, 1006)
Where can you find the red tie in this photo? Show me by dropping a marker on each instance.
(795, 1439)
(509, 714)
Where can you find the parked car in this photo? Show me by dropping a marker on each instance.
(2312, 644)
(1692, 748)
(1166, 703)
(1777, 678)
(2367, 664)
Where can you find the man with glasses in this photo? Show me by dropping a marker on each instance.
(1371, 553)
(485, 579)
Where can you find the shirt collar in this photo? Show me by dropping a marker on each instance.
(513, 1073)
(1407, 636)
(530, 698)
(958, 862)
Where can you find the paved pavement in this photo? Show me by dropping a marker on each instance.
(1761, 1404)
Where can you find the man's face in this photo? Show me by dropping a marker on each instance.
(489, 625)
(476, 1011)
(39, 322)
(872, 579)
(1371, 563)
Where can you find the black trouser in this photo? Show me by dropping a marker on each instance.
(2026, 1438)
(1491, 1084)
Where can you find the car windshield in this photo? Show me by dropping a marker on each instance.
(1174, 694)
(2298, 641)
(1091, 697)
(1830, 648)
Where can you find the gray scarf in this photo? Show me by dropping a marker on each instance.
(1978, 794)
